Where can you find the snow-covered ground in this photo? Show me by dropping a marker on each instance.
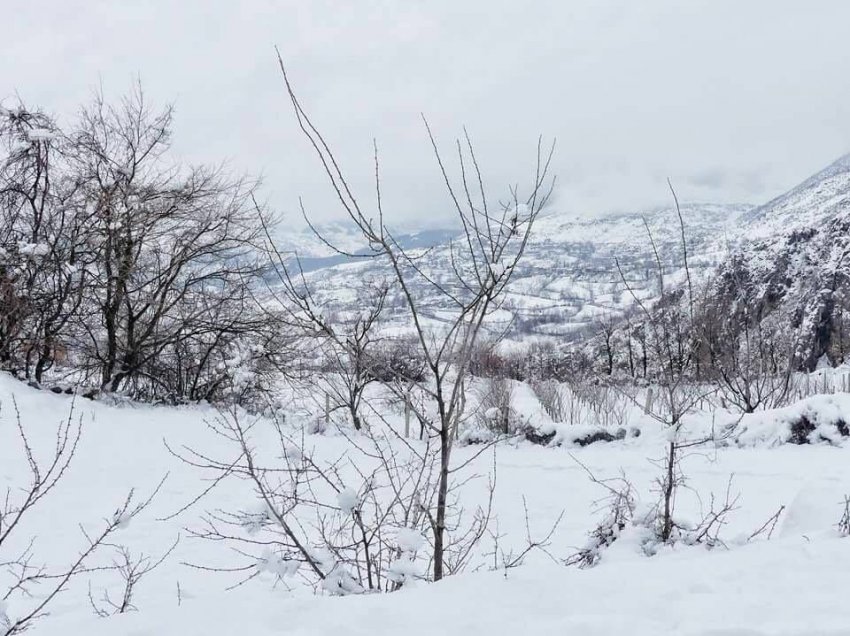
(792, 584)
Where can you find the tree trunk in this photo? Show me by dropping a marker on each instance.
(667, 521)
(442, 498)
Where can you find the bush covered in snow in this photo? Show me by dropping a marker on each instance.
(815, 420)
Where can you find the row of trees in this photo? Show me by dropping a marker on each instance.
(135, 272)
(715, 338)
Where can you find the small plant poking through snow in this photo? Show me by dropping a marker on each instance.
(366, 538)
(844, 523)
(23, 574)
(619, 507)
(131, 569)
(622, 513)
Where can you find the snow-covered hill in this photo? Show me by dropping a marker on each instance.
(568, 279)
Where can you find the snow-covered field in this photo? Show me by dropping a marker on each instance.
(793, 584)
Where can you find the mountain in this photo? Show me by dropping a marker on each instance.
(817, 200)
(568, 277)
(791, 251)
(795, 264)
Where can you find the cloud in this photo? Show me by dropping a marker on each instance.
(734, 101)
(714, 178)
(751, 184)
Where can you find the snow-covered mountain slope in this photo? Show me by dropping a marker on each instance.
(796, 262)
(817, 200)
(568, 277)
(306, 244)
(569, 280)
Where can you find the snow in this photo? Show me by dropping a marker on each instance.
(275, 564)
(409, 540)
(790, 585)
(33, 249)
(404, 570)
(772, 428)
(348, 500)
(493, 413)
(41, 134)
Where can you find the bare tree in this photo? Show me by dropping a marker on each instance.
(495, 411)
(119, 263)
(21, 570)
(607, 328)
(352, 365)
(348, 345)
(131, 568)
(619, 506)
(43, 251)
(166, 238)
(482, 263)
(346, 525)
(671, 346)
(751, 353)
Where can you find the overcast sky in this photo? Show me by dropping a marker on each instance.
(735, 100)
